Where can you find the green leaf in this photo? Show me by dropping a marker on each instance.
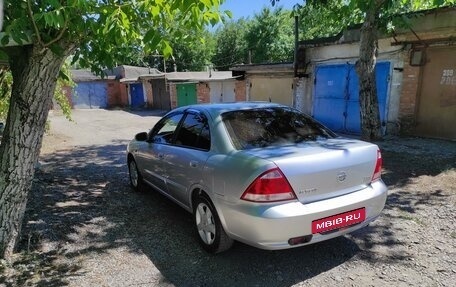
(3, 56)
(155, 10)
(186, 5)
(207, 3)
(64, 75)
(124, 19)
(228, 13)
(56, 49)
(149, 35)
(167, 50)
(5, 40)
(54, 3)
(16, 36)
(154, 41)
(438, 3)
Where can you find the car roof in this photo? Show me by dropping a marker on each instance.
(219, 108)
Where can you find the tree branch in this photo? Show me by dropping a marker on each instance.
(59, 36)
(35, 27)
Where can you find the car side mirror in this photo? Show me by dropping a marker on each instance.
(141, 137)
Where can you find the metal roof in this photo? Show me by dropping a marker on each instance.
(130, 74)
(134, 72)
(192, 76)
(286, 67)
(84, 75)
(215, 109)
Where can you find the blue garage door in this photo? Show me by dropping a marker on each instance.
(90, 95)
(336, 96)
(137, 95)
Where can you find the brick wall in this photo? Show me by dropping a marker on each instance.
(173, 95)
(123, 94)
(240, 91)
(68, 91)
(409, 95)
(114, 94)
(203, 93)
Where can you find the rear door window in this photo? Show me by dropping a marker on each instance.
(265, 127)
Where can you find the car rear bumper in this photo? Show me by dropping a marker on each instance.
(271, 226)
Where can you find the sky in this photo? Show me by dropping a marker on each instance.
(247, 8)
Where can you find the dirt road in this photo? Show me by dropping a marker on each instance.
(85, 227)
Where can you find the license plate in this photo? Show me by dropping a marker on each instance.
(339, 220)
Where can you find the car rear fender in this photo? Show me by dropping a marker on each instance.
(214, 198)
(228, 176)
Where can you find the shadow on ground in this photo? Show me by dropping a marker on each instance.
(146, 112)
(401, 168)
(83, 195)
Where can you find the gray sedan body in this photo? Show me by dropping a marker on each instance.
(225, 162)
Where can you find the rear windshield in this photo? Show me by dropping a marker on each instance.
(265, 127)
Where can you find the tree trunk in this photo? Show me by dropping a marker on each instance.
(365, 67)
(35, 71)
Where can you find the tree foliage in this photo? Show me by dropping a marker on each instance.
(38, 36)
(318, 21)
(327, 18)
(231, 46)
(195, 54)
(267, 37)
(105, 31)
(64, 80)
(270, 36)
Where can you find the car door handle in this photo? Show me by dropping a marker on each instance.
(193, 163)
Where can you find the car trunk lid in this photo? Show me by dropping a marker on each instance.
(324, 169)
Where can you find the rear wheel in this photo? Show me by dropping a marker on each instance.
(211, 234)
(135, 176)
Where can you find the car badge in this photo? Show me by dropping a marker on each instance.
(341, 176)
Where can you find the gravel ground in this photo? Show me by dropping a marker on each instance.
(84, 227)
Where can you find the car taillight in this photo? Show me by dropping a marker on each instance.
(268, 187)
(378, 167)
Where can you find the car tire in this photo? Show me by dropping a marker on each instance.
(209, 229)
(134, 175)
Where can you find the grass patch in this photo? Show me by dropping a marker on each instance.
(407, 216)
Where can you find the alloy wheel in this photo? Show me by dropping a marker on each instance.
(205, 223)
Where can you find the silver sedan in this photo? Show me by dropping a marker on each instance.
(260, 173)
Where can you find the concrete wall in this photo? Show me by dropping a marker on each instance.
(276, 87)
(203, 93)
(148, 91)
(431, 25)
(349, 53)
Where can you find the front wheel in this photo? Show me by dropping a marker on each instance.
(211, 234)
(135, 176)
